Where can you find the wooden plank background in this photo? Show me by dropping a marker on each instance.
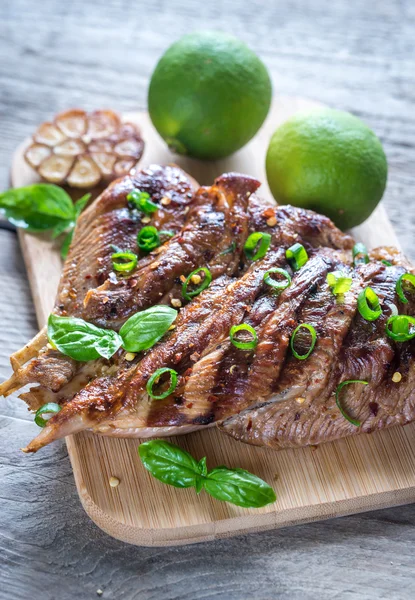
(356, 56)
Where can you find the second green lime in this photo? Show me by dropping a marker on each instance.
(329, 161)
(209, 95)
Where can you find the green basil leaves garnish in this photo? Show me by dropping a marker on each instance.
(145, 328)
(83, 341)
(80, 340)
(172, 465)
(41, 207)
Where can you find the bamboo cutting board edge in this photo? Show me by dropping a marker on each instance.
(329, 494)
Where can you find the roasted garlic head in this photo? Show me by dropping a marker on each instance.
(83, 149)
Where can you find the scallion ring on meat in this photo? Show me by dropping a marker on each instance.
(354, 422)
(125, 262)
(241, 345)
(141, 201)
(386, 262)
(257, 245)
(277, 284)
(313, 334)
(400, 328)
(368, 304)
(51, 408)
(154, 380)
(360, 255)
(148, 238)
(339, 282)
(297, 256)
(204, 283)
(399, 287)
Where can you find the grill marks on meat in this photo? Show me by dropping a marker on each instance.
(108, 221)
(120, 404)
(218, 218)
(358, 349)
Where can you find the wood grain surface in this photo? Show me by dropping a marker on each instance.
(353, 55)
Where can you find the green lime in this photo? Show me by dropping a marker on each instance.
(329, 161)
(209, 95)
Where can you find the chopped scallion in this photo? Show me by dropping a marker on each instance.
(125, 262)
(354, 422)
(339, 282)
(360, 255)
(368, 304)
(313, 334)
(205, 282)
(51, 408)
(277, 284)
(148, 238)
(242, 345)
(399, 286)
(141, 201)
(400, 328)
(154, 380)
(297, 256)
(257, 245)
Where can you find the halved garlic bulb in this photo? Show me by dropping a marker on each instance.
(83, 149)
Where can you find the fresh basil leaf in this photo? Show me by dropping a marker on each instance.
(169, 463)
(67, 241)
(145, 328)
(238, 487)
(78, 208)
(81, 340)
(37, 207)
(81, 204)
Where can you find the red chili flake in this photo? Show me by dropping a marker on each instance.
(268, 212)
(213, 398)
(88, 276)
(189, 405)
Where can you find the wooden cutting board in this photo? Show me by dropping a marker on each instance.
(349, 476)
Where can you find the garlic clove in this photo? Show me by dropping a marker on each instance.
(70, 147)
(73, 123)
(105, 162)
(129, 148)
(123, 167)
(55, 168)
(36, 154)
(100, 146)
(102, 123)
(48, 134)
(85, 173)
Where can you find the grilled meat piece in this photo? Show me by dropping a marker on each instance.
(303, 409)
(108, 222)
(118, 404)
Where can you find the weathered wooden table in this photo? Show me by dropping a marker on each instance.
(353, 55)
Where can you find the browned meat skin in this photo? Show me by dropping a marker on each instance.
(357, 349)
(218, 218)
(133, 410)
(108, 221)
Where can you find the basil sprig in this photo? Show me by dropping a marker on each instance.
(172, 465)
(145, 328)
(84, 341)
(41, 207)
(80, 340)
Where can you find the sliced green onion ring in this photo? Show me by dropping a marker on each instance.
(339, 282)
(400, 328)
(297, 256)
(148, 238)
(141, 201)
(154, 379)
(249, 345)
(368, 304)
(399, 288)
(313, 334)
(51, 408)
(125, 262)
(279, 284)
(354, 422)
(360, 255)
(386, 262)
(257, 245)
(205, 283)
